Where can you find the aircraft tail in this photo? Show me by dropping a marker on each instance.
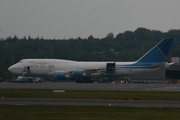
(158, 53)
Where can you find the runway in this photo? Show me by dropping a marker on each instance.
(92, 86)
(84, 102)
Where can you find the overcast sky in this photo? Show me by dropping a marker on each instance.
(81, 18)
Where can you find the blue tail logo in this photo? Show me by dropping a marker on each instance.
(158, 53)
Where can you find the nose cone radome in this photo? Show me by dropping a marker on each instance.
(10, 68)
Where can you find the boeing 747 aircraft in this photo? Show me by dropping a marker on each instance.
(60, 69)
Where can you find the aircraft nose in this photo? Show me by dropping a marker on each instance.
(10, 68)
(14, 69)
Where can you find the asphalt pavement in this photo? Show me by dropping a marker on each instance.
(85, 102)
(90, 86)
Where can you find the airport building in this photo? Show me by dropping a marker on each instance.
(153, 76)
(171, 74)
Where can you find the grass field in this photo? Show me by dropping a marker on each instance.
(48, 112)
(90, 94)
(60, 112)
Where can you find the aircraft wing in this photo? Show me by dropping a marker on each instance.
(77, 73)
(89, 71)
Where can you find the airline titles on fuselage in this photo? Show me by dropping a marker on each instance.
(42, 66)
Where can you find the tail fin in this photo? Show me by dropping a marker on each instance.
(158, 53)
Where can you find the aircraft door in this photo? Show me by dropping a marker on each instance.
(110, 67)
(26, 70)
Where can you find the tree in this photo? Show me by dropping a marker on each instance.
(142, 34)
(1, 73)
(90, 37)
(110, 36)
(128, 35)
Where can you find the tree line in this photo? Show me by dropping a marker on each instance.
(127, 46)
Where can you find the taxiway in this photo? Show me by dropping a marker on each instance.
(89, 86)
(92, 86)
(85, 102)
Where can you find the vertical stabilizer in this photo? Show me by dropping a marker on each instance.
(158, 53)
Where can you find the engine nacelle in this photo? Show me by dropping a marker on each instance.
(77, 74)
(60, 76)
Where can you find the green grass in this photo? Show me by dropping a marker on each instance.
(60, 112)
(90, 94)
(48, 112)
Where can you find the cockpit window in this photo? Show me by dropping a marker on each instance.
(20, 61)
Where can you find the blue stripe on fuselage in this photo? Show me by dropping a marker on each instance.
(140, 65)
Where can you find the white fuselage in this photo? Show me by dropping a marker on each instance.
(49, 67)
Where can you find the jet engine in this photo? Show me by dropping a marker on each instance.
(60, 76)
(78, 74)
